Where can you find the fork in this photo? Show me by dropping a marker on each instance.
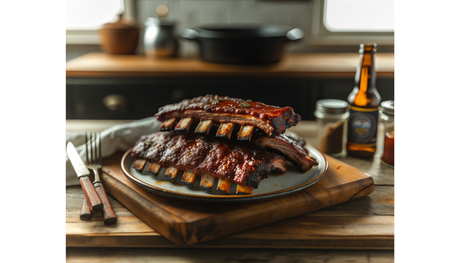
(94, 162)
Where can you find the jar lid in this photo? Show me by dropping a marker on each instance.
(388, 107)
(332, 106)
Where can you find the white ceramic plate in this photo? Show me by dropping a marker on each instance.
(272, 187)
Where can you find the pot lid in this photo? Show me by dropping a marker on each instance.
(119, 24)
(242, 31)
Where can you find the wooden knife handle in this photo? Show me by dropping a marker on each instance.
(94, 201)
(107, 210)
(85, 214)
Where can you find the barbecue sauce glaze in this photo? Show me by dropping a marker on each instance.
(233, 161)
(280, 118)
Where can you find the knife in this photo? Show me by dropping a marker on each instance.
(94, 201)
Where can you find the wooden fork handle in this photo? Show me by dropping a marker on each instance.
(94, 201)
(85, 214)
(107, 210)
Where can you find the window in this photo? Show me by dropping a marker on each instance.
(340, 22)
(359, 15)
(90, 14)
(85, 17)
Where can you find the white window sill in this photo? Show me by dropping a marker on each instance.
(82, 37)
(348, 40)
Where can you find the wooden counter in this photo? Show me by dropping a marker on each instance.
(367, 223)
(302, 65)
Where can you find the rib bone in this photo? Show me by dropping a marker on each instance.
(223, 185)
(242, 189)
(204, 127)
(225, 130)
(183, 124)
(154, 168)
(188, 178)
(139, 165)
(245, 133)
(167, 125)
(207, 182)
(171, 173)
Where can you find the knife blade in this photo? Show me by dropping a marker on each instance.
(94, 201)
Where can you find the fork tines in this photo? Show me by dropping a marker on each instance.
(93, 155)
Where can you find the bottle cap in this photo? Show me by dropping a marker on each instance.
(388, 107)
(331, 106)
(367, 47)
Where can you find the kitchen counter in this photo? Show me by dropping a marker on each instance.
(301, 65)
(103, 86)
(361, 230)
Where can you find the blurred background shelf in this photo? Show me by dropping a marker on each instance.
(102, 86)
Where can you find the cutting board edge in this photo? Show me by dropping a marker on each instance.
(177, 221)
(367, 187)
(183, 232)
(366, 190)
(191, 229)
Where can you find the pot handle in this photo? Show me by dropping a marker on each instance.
(294, 34)
(190, 34)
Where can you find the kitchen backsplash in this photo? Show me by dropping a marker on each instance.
(191, 13)
(198, 12)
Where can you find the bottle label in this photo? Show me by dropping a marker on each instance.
(362, 125)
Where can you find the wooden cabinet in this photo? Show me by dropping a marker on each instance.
(131, 98)
(90, 98)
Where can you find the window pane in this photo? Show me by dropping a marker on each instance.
(90, 14)
(359, 15)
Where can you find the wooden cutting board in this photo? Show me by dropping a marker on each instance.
(188, 223)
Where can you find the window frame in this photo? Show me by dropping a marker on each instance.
(321, 36)
(91, 36)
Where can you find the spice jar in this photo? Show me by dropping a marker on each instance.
(331, 118)
(387, 117)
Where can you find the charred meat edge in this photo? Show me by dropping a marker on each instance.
(277, 166)
(291, 147)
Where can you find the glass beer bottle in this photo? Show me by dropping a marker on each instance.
(364, 103)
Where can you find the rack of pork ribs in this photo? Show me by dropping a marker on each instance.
(186, 142)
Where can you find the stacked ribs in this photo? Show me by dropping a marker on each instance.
(196, 136)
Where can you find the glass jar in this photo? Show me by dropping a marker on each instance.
(387, 117)
(331, 118)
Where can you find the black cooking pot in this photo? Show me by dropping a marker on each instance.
(242, 44)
